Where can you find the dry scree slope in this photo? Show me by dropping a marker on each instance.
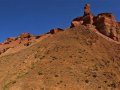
(75, 59)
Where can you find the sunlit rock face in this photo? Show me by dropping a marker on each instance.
(88, 17)
(105, 23)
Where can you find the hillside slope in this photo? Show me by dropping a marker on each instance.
(75, 59)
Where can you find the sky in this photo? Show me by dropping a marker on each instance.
(39, 16)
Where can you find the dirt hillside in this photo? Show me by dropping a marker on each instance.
(75, 59)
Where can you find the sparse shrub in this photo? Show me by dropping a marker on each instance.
(105, 81)
(27, 44)
(86, 81)
(40, 73)
(35, 56)
(94, 76)
(113, 85)
(56, 76)
(32, 66)
(13, 82)
(22, 74)
(41, 57)
(60, 82)
(70, 56)
(8, 84)
(99, 87)
(77, 62)
(53, 58)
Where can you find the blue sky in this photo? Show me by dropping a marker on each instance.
(39, 16)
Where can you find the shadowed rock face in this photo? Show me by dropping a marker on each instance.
(105, 23)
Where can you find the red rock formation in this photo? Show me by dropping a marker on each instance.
(118, 31)
(87, 18)
(24, 39)
(25, 35)
(87, 10)
(105, 23)
(12, 42)
(105, 19)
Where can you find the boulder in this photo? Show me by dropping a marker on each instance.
(55, 30)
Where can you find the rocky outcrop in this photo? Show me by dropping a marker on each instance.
(55, 30)
(12, 42)
(87, 18)
(25, 35)
(8, 40)
(77, 22)
(105, 23)
(87, 10)
(24, 39)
